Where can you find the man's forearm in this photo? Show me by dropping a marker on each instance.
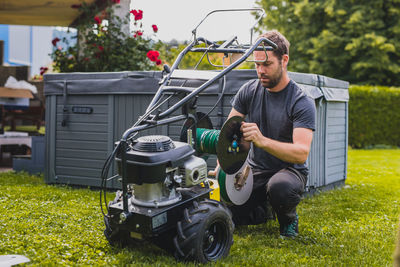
(288, 152)
(296, 152)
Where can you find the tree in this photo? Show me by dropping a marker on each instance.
(353, 40)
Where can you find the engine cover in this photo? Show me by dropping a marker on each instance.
(149, 157)
(194, 171)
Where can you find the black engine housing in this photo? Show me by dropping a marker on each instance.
(149, 156)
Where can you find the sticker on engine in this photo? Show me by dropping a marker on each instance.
(159, 220)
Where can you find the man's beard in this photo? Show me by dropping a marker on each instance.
(274, 79)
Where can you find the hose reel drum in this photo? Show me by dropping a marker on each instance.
(235, 176)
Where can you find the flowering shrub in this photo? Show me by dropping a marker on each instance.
(153, 56)
(104, 46)
(137, 13)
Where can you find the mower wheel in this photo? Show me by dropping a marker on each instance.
(116, 237)
(205, 233)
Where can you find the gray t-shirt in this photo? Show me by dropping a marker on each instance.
(276, 114)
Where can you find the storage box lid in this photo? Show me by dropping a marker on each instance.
(102, 82)
(147, 82)
(334, 89)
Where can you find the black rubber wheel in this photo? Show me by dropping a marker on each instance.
(115, 237)
(205, 233)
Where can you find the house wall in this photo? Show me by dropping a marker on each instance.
(27, 45)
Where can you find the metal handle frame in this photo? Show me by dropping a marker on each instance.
(150, 120)
(160, 119)
(194, 31)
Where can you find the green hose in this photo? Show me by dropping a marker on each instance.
(222, 186)
(207, 140)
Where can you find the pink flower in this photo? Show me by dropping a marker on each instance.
(155, 28)
(137, 13)
(97, 19)
(55, 41)
(153, 55)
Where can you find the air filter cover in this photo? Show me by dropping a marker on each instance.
(153, 143)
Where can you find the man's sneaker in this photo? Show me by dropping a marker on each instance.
(290, 230)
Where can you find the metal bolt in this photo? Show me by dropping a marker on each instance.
(123, 216)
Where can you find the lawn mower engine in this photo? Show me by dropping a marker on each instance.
(168, 202)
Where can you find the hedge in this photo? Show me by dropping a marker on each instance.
(374, 116)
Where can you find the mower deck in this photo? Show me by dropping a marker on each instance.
(143, 222)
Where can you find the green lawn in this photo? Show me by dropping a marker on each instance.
(351, 226)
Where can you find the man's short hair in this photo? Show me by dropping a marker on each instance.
(280, 40)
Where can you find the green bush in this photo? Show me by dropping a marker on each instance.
(103, 45)
(374, 116)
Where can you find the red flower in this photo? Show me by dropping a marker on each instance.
(76, 6)
(97, 19)
(158, 62)
(101, 48)
(55, 41)
(43, 70)
(86, 59)
(137, 13)
(138, 33)
(155, 28)
(153, 55)
(116, 1)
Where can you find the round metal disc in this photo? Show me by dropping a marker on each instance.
(232, 161)
(229, 192)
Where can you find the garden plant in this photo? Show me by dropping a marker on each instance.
(103, 45)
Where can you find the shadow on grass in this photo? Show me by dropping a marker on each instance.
(269, 228)
(269, 231)
(143, 252)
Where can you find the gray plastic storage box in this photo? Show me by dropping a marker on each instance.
(34, 163)
(328, 156)
(87, 112)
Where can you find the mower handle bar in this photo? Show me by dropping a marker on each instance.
(216, 48)
(194, 31)
(159, 119)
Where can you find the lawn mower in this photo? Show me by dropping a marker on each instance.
(167, 197)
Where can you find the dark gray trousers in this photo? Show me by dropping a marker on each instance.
(281, 190)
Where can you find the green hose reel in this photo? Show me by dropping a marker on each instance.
(235, 188)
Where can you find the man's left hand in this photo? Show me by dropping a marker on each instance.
(251, 133)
